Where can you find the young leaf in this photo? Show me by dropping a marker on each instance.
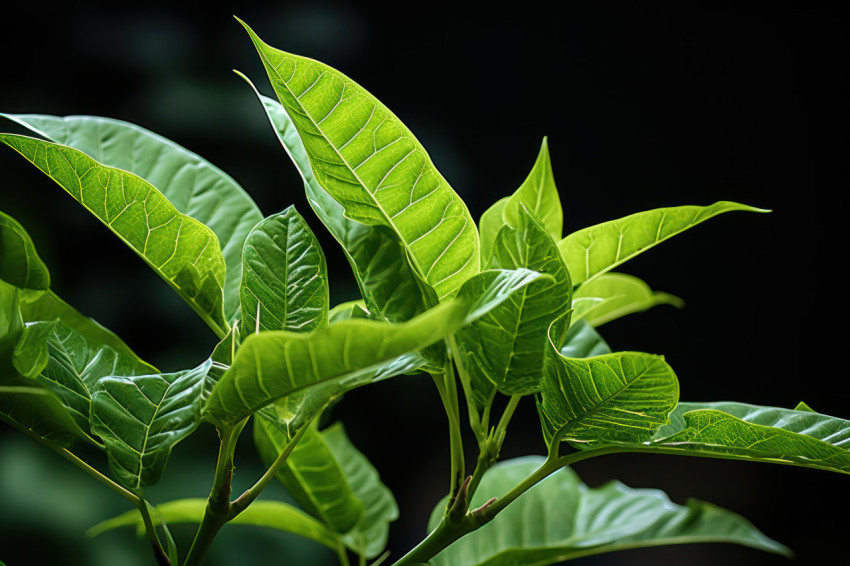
(593, 251)
(20, 265)
(285, 278)
(367, 160)
(750, 432)
(506, 347)
(562, 519)
(620, 397)
(180, 249)
(488, 228)
(311, 474)
(539, 195)
(193, 185)
(613, 295)
(141, 418)
(386, 279)
(272, 514)
(297, 361)
(582, 341)
(369, 536)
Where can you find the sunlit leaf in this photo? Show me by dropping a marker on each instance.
(613, 295)
(539, 195)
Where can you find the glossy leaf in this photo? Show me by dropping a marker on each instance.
(613, 295)
(285, 278)
(386, 279)
(562, 519)
(183, 251)
(369, 536)
(272, 514)
(582, 341)
(311, 474)
(539, 195)
(370, 163)
(20, 265)
(140, 419)
(31, 353)
(193, 185)
(613, 398)
(506, 347)
(488, 228)
(750, 432)
(593, 251)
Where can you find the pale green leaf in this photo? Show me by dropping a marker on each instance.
(506, 347)
(613, 295)
(20, 265)
(593, 251)
(750, 432)
(31, 353)
(347, 310)
(312, 474)
(488, 228)
(386, 279)
(140, 419)
(271, 514)
(582, 341)
(285, 278)
(369, 536)
(368, 161)
(562, 519)
(182, 250)
(613, 398)
(193, 185)
(539, 195)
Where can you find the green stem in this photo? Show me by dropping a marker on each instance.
(448, 395)
(479, 423)
(159, 553)
(243, 501)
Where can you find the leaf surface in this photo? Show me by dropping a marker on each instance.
(285, 277)
(142, 417)
(370, 163)
(583, 341)
(488, 227)
(562, 519)
(20, 265)
(539, 195)
(614, 295)
(193, 185)
(751, 432)
(593, 251)
(182, 250)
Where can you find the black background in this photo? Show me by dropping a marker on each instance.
(644, 105)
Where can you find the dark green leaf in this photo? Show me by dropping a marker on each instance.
(182, 250)
(285, 278)
(613, 295)
(20, 265)
(750, 432)
(593, 251)
(142, 417)
(364, 157)
(562, 519)
(193, 185)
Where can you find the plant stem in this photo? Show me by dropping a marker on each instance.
(447, 388)
(159, 553)
(243, 501)
(218, 502)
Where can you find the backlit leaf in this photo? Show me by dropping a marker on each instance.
(613, 295)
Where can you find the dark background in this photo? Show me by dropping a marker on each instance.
(644, 105)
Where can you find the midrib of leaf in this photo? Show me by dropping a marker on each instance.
(221, 332)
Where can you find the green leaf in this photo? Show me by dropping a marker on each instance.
(750, 432)
(593, 251)
(802, 406)
(488, 227)
(539, 195)
(348, 310)
(182, 250)
(613, 295)
(75, 365)
(20, 265)
(271, 365)
(272, 514)
(31, 353)
(506, 347)
(367, 160)
(142, 417)
(221, 357)
(369, 536)
(312, 475)
(386, 279)
(562, 519)
(193, 185)
(613, 398)
(582, 341)
(285, 277)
